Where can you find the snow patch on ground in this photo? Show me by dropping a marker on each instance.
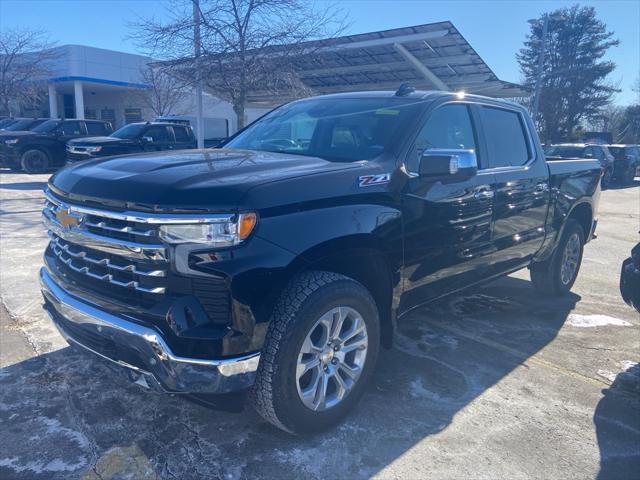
(592, 321)
(611, 376)
(57, 465)
(54, 427)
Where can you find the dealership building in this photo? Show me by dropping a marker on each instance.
(90, 82)
(95, 83)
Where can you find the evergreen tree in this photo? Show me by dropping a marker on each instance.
(574, 84)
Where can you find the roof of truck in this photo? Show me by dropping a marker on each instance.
(415, 94)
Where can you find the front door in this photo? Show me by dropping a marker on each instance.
(447, 226)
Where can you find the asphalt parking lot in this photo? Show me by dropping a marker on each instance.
(496, 383)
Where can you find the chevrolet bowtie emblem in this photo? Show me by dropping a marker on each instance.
(67, 219)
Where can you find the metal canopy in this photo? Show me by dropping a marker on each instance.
(431, 56)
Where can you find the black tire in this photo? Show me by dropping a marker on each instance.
(547, 277)
(606, 179)
(306, 298)
(34, 161)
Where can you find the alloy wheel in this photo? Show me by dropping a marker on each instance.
(570, 259)
(331, 358)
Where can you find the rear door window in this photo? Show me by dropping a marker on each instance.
(95, 128)
(506, 137)
(181, 134)
(72, 128)
(158, 134)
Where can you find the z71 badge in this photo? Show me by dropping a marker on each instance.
(370, 180)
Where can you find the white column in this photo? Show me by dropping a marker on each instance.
(53, 102)
(79, 97)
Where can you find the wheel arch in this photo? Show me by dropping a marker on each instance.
(42, 148)
(363, 258)
(583, 214)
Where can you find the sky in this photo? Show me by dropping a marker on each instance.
(495, 29)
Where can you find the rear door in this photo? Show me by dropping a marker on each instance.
(521, 185)
(447, 226)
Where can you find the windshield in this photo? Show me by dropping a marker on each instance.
(566, 152)
(128, 131)
(22, 125)
(337, 129)
(47, 126)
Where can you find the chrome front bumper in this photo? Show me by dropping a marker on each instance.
(141, 349)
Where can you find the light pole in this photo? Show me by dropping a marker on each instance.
(196, 41)
(543, 48)
(536, 94)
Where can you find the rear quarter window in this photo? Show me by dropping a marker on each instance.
(506, 137)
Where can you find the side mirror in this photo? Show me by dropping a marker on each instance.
(451, 164)
(588, 155)
(147, 139)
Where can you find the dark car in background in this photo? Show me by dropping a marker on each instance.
(626, 162)
(133, 138)
(585, 150)
(42, 148)
(21, 125)
(6, 121)
(215, 130)
(630, 279)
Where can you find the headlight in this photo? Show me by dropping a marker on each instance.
(221, 234)
(93, 149)
(11, 141)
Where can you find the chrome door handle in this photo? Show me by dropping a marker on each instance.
(484, 194)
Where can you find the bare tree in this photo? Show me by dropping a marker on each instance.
(247, 46)
(25, 62)
(165, 91)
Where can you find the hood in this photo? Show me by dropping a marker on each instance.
(91, 141)
(215, 179)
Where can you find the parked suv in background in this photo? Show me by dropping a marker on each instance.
(585, 150)
(626, 162)
(21, 124)
(6, 121)
(43, 147)
(133, 138)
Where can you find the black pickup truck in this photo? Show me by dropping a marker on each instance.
(133, 138)
(43, 147)
(281, 262)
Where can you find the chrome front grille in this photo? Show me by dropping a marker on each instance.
(102, 249)
(119, 256)
(118, 227)
(98, 266)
